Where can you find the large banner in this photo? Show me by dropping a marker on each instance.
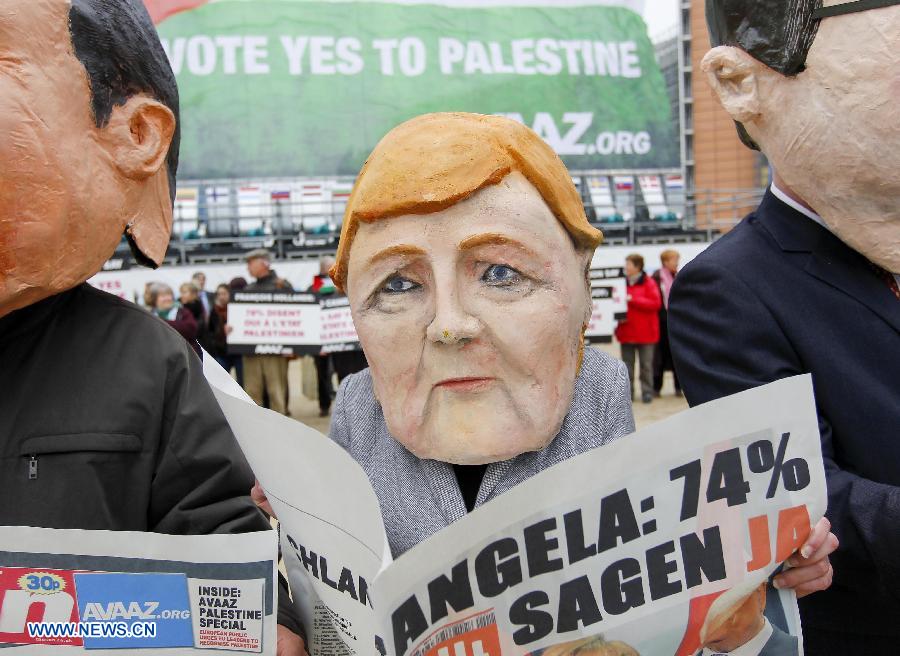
(301, 88)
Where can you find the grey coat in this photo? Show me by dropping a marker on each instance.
(420, 497)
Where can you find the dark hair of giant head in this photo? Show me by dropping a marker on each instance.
(117, 44)
(778, 33)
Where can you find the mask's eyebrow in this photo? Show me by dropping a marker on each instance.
(394, 251)
(493, 239)
(852, 7)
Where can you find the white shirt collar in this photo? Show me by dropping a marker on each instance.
(750, 648)
(787, 200)
(805, 211)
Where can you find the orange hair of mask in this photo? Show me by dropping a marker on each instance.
(434, 161)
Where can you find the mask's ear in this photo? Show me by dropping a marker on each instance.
(587, 257)
(732, 74)
(137, 140)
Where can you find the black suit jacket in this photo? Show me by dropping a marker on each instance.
(778, 296)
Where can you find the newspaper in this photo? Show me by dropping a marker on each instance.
(332, 536)
(654, 545)
(74, 591)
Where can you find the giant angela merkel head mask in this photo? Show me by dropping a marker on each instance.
(88, 142)
(464, 255)
(815, 85)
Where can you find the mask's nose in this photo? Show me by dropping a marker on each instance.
(452, 324)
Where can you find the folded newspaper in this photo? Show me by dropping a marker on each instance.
(662, 543)
(73, 591)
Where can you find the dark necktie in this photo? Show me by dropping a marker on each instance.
(888, 278)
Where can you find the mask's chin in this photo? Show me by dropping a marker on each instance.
(477, 449)
(870, 232)
(17, 293)
(868, 225)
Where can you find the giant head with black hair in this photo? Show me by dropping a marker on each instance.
(812, 84)
(117, 44)
(88, 142)
(779, 34)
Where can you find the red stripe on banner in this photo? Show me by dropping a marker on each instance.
(160, 10)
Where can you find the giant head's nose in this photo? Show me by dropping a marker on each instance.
(452, 323)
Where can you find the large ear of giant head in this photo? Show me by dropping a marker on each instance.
(137, 138)
(88, 142)
(754, 40)
(464, 252)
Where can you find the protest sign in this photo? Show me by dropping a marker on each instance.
(337, 330)
(582, 74)
(69, 591)
(287, 323)
(652, 555)
(608, 301)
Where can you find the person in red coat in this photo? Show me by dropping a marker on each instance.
(639, 333)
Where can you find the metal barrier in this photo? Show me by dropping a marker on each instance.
(218, 221)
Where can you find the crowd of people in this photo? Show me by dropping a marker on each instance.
(201, 318)
(643, 334)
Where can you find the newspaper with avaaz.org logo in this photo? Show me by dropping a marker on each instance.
(74, 591)
(663, 543)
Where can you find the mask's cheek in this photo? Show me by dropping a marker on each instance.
(33, 194)
(403, 399)
(393, 345)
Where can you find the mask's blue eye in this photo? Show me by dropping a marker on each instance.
(398, 285)
(500, 274)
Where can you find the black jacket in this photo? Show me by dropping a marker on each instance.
(780, 295)
(107, 422)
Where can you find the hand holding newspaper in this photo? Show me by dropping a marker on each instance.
(662, 543)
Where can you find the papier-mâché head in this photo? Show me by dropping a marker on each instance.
(464, 255)
(88, 142)
(813, 85)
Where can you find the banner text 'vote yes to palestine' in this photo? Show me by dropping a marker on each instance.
(298, 88)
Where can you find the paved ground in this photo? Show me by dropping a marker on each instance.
(307, 411)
